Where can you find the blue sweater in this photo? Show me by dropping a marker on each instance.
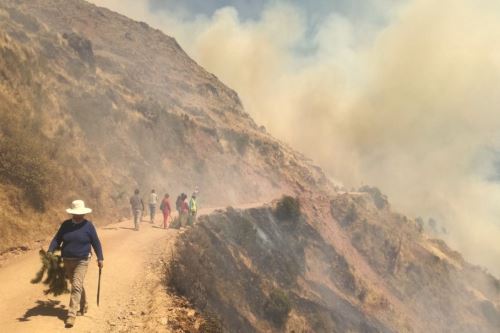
(76, 239)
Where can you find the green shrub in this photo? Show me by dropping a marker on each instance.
(379, 199)
(350, 216)
(277, 307)
(496, 283)
(420, 223)
(242, 142)
(288, 208)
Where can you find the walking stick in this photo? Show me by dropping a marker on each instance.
(99, 286)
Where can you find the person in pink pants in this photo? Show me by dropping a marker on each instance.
(166, 209)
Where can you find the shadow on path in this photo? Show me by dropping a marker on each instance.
(50, 308)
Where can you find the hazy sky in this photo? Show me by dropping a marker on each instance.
(252, 9)
(401, 94)
(372, 13)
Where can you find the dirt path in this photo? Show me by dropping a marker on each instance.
(132, 293)
(24, 308)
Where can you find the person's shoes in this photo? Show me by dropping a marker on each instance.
(83, 310)
(70, 322)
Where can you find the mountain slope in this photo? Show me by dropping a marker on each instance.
(93, 105)
(102, 104)
(348, 264)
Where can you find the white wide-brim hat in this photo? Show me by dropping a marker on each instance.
(78, 208)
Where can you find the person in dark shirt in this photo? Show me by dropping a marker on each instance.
(137, 206)
(184, 214)
(75, 237)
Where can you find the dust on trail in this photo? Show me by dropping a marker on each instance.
(132, 298)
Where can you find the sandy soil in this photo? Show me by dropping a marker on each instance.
(129, 258)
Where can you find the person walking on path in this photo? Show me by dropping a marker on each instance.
(137, 206)
(178, 204)
(153, 200)
(193, 209)
(166, 210)
(184, 211)
(77, 235)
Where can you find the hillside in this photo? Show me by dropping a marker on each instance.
(93, 105)
(346, 264)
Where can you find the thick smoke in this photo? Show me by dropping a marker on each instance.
(409, 104)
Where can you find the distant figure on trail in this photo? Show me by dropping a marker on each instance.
(178, 203)
(137, 206)
(77, 235)
(153, 200)
(184, 211)
(193, 209)
(166, 210)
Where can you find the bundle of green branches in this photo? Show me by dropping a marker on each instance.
(52, 264)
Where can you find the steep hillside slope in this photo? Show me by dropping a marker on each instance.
(347, 264)
(93, 104)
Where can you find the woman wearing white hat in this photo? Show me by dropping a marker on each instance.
(77, 235)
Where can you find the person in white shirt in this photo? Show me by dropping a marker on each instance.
(153, 200)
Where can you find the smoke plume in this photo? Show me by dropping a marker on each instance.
(407, 102)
